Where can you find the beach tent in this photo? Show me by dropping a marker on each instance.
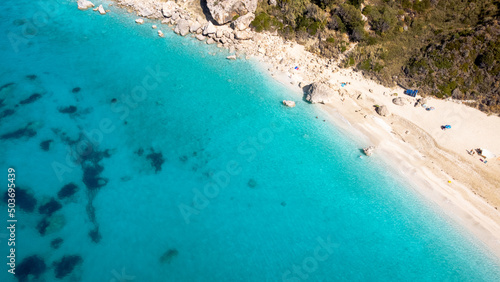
(486, 154)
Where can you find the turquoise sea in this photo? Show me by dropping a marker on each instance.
(139, 158)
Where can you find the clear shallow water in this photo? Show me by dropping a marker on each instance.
(247, 191)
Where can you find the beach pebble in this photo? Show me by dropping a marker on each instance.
(154, 26)
(160, 33)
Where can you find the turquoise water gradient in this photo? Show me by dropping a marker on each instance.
(248, 191)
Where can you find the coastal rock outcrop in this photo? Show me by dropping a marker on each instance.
(168, 8)
(183, 27)
(243, 22)
(224, 11)
(319, 92)
(382, 110)
(369, 150)
(101, 10)
(209, 29)
(194, 27)
(290, 104)
(243, 35)
(84, 4)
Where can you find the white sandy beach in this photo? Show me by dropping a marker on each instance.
(410, 139)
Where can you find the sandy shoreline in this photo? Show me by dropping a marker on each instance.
(409, 140)
(423, 167)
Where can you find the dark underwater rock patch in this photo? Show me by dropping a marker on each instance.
(6, 113)
(140, 152)
(31, 99)
(156, 160)
(67, 191)
(42, 226)
(169, 255)
(50, 207)
(91, 177)
(24, 199)
(50, 224)
(94, 235)
(76, 90)
(6, 85)
(45, 145)
(31, 76)
(56, 243)
(27, 131)
(68, 110)
(252, 183)
(66, 265)
(30, 266)
(19, 22)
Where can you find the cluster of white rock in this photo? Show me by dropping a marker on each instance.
(85, 4)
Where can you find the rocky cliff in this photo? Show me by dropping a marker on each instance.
(224, 11)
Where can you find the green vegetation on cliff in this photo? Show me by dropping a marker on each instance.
(442, 47)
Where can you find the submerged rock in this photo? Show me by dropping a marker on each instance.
(67, 191)
(56, 243)
(169, 255)
(50, 207)
(28, 131)
(318, 92)
(31, 99)
(45, 145)
(156, 160)
(66, 265)
(91, 177)
(24, 199)
(51, 224)
(31, 267)
(6, 113)
(76, 90)
(68, 110)
(139, 21)
(31, 76)
(252, 183)
(94, 235)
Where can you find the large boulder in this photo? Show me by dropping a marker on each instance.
(398, 101)
(382, 110)
(243, 35)
(194, 26)
(243, 22)
(84, 4)
(183, 26)
(319, 93)
(224, 11)
(168, 8)
(209, 29)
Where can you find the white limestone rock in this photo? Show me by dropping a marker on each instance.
(84, 4)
